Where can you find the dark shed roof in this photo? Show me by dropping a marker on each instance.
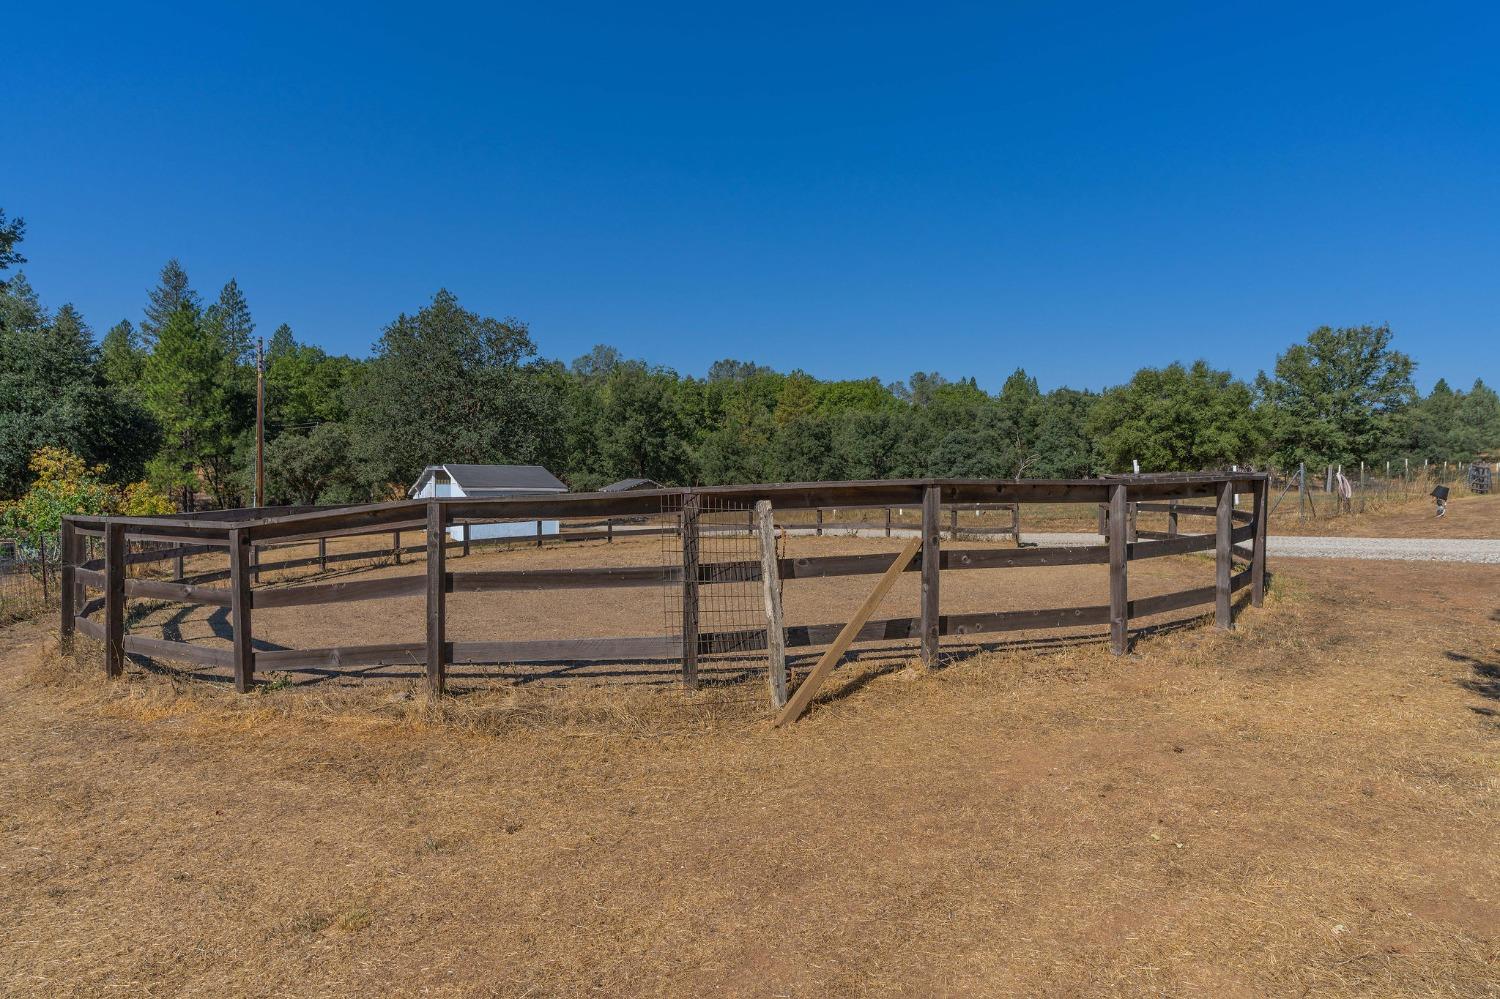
(486, 478)
(626, 485)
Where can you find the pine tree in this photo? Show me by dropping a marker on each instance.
(185, 388)
(11, 233)
(53, 394)
(121, 358)
(170, 293)
(20, 309)
(282, 343)
(229, 318)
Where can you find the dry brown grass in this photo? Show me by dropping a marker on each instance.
(1306, 806)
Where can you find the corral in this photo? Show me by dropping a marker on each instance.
(262, 623)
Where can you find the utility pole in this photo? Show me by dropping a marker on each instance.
(260, 422)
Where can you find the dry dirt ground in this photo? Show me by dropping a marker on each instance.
(600, 613)
(1309, 805)
(1468, 516)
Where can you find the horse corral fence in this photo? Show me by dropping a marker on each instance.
(691, 520)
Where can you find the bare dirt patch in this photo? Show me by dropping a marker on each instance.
(1306, 806)
(597, 613)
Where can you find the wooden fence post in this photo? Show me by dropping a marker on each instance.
(255, 563)
(1015, 523)
(1103, 520)
(770, 587)
(437, 536)
(322, 554)
(953, 522)
(609, 532)
(465, 532)
(539, 534)
(178, 568)
(887, 521)
(1119, 608)
(68, 540)
(690, 590)
(396, 547)
(932, 531)
(820, 521)
(114, 598)
(1171, 518)
(1223, 612)
(1258, 550)
(1132, 535)
(239, 609)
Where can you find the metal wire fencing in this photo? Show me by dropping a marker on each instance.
(29, 573)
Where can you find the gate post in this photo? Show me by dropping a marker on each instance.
(239, 609)
(114, 598)
(690, 590)
(770, 588)
(437, 547)
(1119, 608)
(932, 532)
(69, 545)
(1258, 554)
(1223, 612)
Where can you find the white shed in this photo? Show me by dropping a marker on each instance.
(490, 482)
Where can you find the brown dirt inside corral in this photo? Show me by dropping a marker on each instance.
(1306, 806)
(599, 613)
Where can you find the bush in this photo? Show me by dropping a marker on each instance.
(66, 485)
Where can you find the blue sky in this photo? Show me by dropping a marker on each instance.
(1078, 189)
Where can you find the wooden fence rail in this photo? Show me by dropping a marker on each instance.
(244, 535)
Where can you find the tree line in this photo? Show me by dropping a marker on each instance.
(169, 398)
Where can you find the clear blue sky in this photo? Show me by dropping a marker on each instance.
(1080, 189)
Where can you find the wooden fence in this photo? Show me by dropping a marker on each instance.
(243, 535)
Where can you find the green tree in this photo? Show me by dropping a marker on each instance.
(184, 385)
(641, 433)
(1175, 419)
(282, 342)
(230, 320)
(11, 233)
(313, 467)
(1336, 398)
(171, 293)
(1064, 447)
(307, 386)
(447, 385)
(121, 358)
(1478, 422)
(53, 394)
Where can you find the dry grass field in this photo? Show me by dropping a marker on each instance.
(1468, 516)
(1309, 805)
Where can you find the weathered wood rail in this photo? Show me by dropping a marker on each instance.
(242, 535)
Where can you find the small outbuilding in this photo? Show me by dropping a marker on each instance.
(490, 482)
(631, 485)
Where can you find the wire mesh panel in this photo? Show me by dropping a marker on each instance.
(28, 576)
(725, 546)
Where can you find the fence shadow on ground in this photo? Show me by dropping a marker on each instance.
(721, 671)
(1484, 676)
